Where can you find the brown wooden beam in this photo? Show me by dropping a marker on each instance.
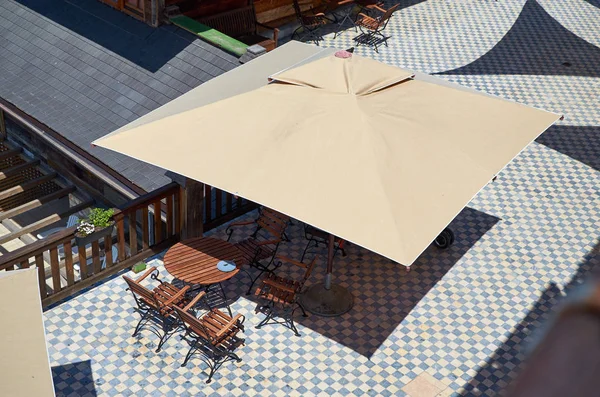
(7, 173)
(36, 203)
(27, 185)
(47, 221)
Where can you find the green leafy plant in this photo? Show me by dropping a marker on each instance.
(100, 217)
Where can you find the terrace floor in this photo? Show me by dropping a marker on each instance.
(461, 322)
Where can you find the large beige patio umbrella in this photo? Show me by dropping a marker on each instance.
(352, 146)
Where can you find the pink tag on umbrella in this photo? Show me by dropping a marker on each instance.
(343, 54)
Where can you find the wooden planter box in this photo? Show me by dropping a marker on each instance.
(95, 236)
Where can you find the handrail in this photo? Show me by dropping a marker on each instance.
(36, 247)
(100, 260)
(152, 197)
(144, 226)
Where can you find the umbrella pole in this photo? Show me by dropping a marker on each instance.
(327, 299)
(330, 248)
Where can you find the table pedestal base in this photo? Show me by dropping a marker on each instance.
(327, 302)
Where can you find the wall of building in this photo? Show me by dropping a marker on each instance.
(270, 12)
(273, 11)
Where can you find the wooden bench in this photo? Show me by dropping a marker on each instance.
(241, 24)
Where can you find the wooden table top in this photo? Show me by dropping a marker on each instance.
(195, 260)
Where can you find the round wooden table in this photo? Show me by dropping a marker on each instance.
(195, 260)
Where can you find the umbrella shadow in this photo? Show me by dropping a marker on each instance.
(384, 292)
(74, 379)
(536, 44)
(505, 364)
(581, 143)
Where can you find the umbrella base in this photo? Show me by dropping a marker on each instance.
(327, 302)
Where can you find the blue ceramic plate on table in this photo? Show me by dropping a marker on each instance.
(226, 266)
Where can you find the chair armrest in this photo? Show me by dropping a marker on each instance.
(377, 8)
(262, 25)
(279, 286)
(229, 326)
(177, 296)
(241, 223)
(274, 30)
(292, 261)
(268, 242)
(143, 276)
(194, 301)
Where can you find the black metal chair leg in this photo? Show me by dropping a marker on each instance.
(296, 31)
(189, 354)
(290, 321)
(253, 282)
(304, 252)
(265, 320)
(302, 308)
(169, 329)
(225, 299)
(234, 356)
(145, 318)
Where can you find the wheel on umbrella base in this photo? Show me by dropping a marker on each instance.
(445, 239)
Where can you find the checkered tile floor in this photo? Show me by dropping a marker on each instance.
(465, 316)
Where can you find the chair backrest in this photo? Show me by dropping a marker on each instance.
(386, 15)
(309, 269)
(297, 10)
(192, 323)
(273, 222)
(142, 292)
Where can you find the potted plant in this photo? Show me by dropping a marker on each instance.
(99, 223)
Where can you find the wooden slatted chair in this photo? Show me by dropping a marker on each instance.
(372, 27)
(317, 236)
(213, 336)
(266, 217)
(260, 248)
(279, 296)
(156, 306)
(310, 23)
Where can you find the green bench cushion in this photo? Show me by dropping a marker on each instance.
(210, 35)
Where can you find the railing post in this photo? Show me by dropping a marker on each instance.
(193, 206)
(119, 219)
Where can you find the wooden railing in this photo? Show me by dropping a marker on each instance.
(141, 231)
(221, 207)
(144, 227)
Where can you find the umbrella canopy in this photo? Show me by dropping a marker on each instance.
(355, 147)
(24, 365)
